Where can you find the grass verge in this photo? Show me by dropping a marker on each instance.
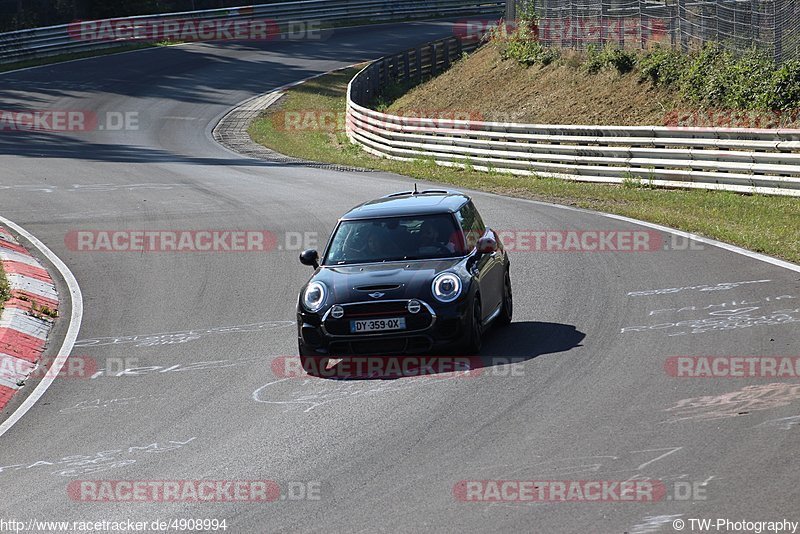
(770, 225)
(5, 291)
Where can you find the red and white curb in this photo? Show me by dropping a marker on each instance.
(26, 319)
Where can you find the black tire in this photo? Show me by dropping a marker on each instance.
(507, 312)
(476, 331)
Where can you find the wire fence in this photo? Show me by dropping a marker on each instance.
(770, 26)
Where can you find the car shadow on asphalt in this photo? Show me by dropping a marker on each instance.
(502, 346)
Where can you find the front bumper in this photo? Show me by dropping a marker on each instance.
(436, 328)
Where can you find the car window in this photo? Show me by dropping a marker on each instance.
(395, 238)
(471, 224)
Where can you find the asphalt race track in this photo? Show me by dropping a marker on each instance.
(590, 398)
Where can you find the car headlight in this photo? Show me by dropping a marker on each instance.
(314, 296)
(446, 287)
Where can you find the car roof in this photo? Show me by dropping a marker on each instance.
(409, 203)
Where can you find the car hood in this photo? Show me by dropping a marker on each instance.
(384, 281)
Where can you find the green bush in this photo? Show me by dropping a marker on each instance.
(711, 77)
(621, 60)
(549, 55)
(662, 66)
(5, 290)
(784, 90)
(522, 45)
(609, 57)
(750, 78)
(594, 60)
(716, 77)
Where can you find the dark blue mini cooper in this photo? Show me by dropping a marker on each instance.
(409, 273)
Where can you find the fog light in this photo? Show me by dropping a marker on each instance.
(414, 306)
(337, 312)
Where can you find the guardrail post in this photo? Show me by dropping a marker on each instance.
(434, 50)
(406, 66)
(446, 55)
(418, 64)
(375, 81)
(394, 69)
(384, 77)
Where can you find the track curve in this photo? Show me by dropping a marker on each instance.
(590, 400)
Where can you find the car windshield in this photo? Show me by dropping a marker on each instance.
(393, 239)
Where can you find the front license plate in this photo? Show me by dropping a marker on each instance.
(377, 325)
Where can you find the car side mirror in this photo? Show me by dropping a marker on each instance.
(487, 244)
(310, 257)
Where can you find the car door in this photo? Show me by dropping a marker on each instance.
(489, 267)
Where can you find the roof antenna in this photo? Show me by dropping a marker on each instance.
(415, 189)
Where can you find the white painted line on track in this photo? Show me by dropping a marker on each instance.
(700, 239)
(713, 242)
(74, 327)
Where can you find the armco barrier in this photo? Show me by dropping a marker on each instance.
(55, 40)
(735, 159)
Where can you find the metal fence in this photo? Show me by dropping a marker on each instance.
(62, 39)
(771, 26)
(733, 159)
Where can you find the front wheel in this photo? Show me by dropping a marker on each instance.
(476, 334)
(507, 312)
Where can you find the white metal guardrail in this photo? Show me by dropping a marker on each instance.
(55, 40)
(734, 159)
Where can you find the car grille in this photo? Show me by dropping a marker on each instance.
(377, 310)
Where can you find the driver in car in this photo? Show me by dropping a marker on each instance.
(369, 244)
(431, 237)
